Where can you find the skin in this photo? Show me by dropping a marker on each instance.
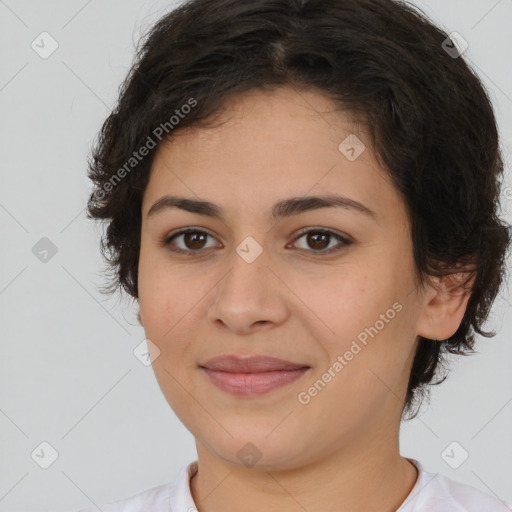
(340, 451)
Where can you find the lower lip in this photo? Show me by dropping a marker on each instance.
(247, 384)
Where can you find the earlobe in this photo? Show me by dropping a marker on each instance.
(445, 306)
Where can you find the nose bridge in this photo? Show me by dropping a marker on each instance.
(248, 293)
(248, 270)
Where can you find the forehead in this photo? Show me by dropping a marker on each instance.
(267, 145)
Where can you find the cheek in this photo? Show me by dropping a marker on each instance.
(161, 298)
(168, 317)
(172, 306)
(342, 302)
(362, 317)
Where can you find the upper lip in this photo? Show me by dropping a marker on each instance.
(252, 364)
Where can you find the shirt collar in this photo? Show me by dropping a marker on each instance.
(180, 497)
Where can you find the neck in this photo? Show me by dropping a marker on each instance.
(358, 478)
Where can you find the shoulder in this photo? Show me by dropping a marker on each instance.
(434, 491)
(162, 498)
(155, 499)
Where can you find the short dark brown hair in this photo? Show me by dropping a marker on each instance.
(430, 121)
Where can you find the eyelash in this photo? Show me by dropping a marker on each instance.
(166, 242)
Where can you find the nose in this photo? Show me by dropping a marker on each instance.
(250, 297)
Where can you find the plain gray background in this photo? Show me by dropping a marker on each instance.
(67, 369)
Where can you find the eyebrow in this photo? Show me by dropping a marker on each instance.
(281, 209)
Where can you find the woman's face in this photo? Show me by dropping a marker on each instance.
(248, 283)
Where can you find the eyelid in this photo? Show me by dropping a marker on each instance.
(343, 236)
(165, 241)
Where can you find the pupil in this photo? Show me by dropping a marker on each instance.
(194, 236)
(315, 241)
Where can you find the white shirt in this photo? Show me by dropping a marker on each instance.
(431, 493)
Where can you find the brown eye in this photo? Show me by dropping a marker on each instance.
(193, 240)
(319, 240)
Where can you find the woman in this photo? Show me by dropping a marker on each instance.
(302, 197)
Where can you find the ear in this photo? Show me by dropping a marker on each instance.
(139, 318)
(446, 300)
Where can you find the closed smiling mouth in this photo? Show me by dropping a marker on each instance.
(254, 375)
